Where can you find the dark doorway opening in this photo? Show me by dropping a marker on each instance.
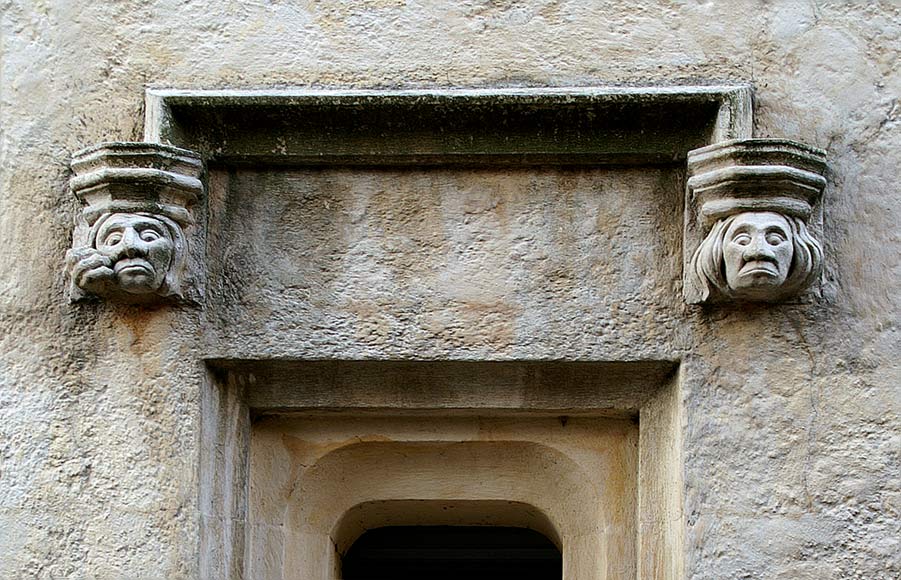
(459, 552)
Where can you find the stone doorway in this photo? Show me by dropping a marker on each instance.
(430, 303)
(319, 483)
(580, 453)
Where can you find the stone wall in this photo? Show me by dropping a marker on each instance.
(790, 413)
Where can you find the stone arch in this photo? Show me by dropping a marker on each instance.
(517, 483)
(377, 514)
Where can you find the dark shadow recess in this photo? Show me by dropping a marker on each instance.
(445, 552)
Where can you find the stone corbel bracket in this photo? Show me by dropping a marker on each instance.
(752, 217)
(131, 241)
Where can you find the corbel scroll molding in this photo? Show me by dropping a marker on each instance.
(131, 239)
(752, 216)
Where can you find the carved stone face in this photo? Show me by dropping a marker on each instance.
(140, 248)
(757, 253)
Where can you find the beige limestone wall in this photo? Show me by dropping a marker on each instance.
(790, 418)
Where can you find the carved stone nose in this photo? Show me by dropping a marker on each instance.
(132, 244)
(759, 248)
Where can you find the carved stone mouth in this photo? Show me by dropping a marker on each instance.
(757, 268)
(131, 266)
(755, 271)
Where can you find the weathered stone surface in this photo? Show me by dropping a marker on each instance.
(130, 243)
(460, 126)
(307, 472)
(756, 202)
(790, 411)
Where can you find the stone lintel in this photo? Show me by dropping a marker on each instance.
(567, 125)
(485, 386)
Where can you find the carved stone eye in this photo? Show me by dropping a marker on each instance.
(742, 239)
(150, 235)
(112, 239)
(775, 238)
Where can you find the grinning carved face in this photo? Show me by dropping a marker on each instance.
(757, 253)
(140, 248)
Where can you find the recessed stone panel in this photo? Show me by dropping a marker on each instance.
(446, 263)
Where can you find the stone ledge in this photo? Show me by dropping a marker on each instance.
(570, 386)
(529, 126)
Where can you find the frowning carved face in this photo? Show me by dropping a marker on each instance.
(757, 253)
(141, 250)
